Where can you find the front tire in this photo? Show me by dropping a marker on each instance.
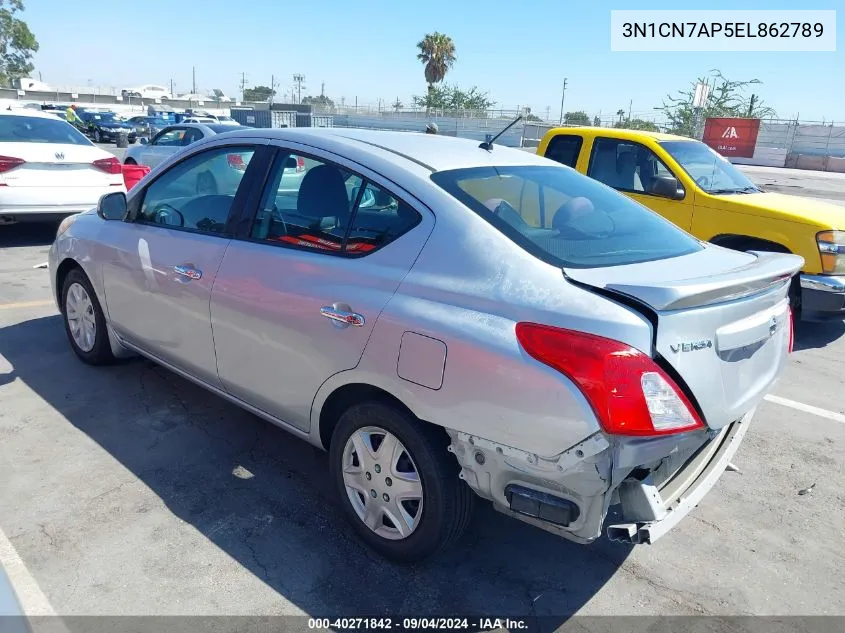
(84, 320)
(397, 482)
(97, 137)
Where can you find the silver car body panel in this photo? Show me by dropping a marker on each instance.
(451, 291)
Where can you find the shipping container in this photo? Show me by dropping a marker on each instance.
(284, 119)
(322, 120)
(251, 118)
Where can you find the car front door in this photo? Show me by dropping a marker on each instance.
(636, 171)
(159, 276)
(301, 286)
(163, 145)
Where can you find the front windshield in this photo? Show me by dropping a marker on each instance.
(565, 218)
(712, 172)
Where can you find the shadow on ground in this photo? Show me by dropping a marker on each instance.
(810, 335)
(30, 234)
(284, 524)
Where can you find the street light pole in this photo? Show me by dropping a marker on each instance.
(562, 97)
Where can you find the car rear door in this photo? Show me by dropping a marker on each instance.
(159, 273)
(301, 286)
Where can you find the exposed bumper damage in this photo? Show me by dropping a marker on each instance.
(655, 482)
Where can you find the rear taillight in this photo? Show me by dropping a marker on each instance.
(300, 163)
(108, 165)
(790, 318)
(236, 161)
(629, 393)
(10, 162)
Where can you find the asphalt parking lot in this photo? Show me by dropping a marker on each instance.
(128, 491)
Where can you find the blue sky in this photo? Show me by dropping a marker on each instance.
(518, 52)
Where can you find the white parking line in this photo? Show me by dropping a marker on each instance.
(806, 408)
(32, 600)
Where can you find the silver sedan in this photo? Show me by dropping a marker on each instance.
(447, 320)
(170, 140)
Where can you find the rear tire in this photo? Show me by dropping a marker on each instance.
(85, 323)
(130, 161)
(419, 465)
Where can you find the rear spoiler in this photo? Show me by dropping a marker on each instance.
(767, 271)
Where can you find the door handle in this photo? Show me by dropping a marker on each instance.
(342, 317)
(187, 271)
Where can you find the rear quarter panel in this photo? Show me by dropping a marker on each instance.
(468, 288)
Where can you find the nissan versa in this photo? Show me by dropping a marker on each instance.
(444, 318)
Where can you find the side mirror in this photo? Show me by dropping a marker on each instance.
(291, 163)
(667, 187)
(112, 206)
(143, 140)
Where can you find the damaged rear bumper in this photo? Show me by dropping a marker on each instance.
(656, 482)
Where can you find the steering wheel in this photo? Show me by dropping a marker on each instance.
(166, 214)
(703, 182)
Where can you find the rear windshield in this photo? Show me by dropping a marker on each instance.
(564, 218)
(26, 129)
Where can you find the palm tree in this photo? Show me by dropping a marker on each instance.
(437, 53)
(620, 113)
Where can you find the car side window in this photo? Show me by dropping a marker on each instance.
(198, 193)
(191, 136)
(626, 165)
(316, 205)
(169, 138)
(564, 148)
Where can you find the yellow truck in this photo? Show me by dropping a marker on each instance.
(702, 192)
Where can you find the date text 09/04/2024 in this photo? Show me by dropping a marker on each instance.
(726, 29)
(417, 624)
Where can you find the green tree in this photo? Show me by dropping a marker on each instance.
(437, 54)
(17, 43)
(637, 124)
(397, 105)
(727, 99)
(321, 101)
(259, 93)
(576, 118)
(453, 98)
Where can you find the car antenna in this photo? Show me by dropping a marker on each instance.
(488, 144)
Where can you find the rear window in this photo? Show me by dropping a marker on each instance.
(565, 218)
(26, 129)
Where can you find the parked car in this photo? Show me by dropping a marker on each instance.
(702, 192)
(222, 119)
(546, 343)
(148, 91)
(148, 126)
(49, 169)
(199, 119)
(169, 141)
(105, 127)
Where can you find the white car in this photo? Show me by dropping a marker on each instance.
(49, 169)
(226, 120)
(148, 91)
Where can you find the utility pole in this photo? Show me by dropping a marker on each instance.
(298, 79)
(273, 85)
(243, 86)
(194, 80)
(630, 105)
(323, 89)
(562, 97)
(171, 88)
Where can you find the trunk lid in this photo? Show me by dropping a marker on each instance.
(722, 320)
(55, 165)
